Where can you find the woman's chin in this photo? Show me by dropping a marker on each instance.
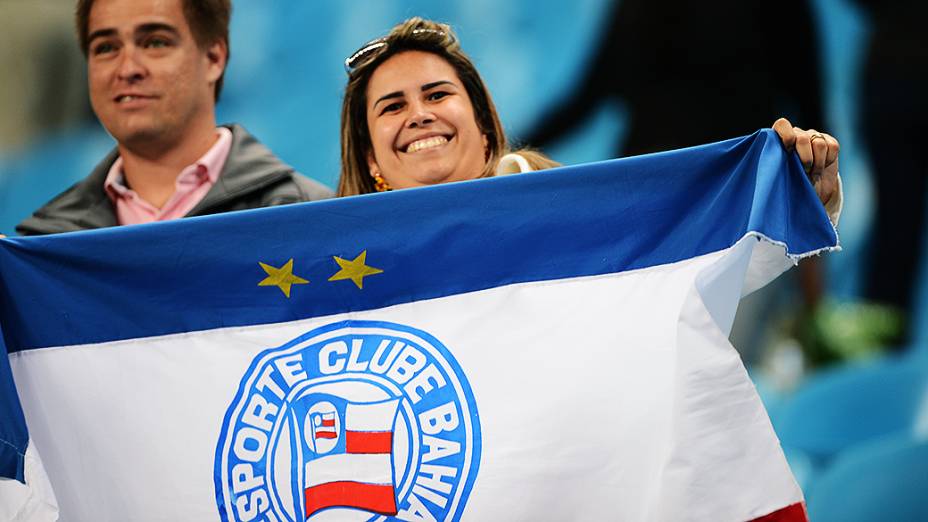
(431, 176)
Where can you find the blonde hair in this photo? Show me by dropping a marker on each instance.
(420, 35)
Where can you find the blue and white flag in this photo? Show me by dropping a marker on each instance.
(548, 346)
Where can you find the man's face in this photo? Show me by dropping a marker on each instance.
(150, 84)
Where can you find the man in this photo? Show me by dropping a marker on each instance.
(155, 70)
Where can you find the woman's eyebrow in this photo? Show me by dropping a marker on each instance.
(397, 94)
(432, 85)
(425, 87)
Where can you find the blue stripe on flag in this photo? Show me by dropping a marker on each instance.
(14, 437)
(203, 273)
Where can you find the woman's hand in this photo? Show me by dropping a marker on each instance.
(819, 155)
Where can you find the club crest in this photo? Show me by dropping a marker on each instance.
(356, 420)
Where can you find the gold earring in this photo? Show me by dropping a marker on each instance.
(380, 184)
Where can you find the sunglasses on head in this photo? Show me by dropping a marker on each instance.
(376, 47)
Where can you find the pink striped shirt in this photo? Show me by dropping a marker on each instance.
(190, 188)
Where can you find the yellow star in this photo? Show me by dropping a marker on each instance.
(281, 277)
(355, 270)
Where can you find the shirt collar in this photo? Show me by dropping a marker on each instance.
(211, 163)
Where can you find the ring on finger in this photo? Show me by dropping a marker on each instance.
(816, 136)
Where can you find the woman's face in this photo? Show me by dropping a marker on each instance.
(421, 123)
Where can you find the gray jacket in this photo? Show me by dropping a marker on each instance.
(251, 178)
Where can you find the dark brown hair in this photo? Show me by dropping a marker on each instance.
(414, 34)
(208, 21)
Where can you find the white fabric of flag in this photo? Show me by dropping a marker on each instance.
(550, 346)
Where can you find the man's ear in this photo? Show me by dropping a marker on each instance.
(218, 55)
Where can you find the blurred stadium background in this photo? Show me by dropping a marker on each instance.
(854, 430)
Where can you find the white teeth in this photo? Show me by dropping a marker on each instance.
(126, 98)
(427, 143)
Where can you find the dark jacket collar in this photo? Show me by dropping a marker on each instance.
(249, 167)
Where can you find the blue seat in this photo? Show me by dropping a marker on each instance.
(883, 480)
(847, 406)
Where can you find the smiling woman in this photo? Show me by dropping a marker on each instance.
(416, 113)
